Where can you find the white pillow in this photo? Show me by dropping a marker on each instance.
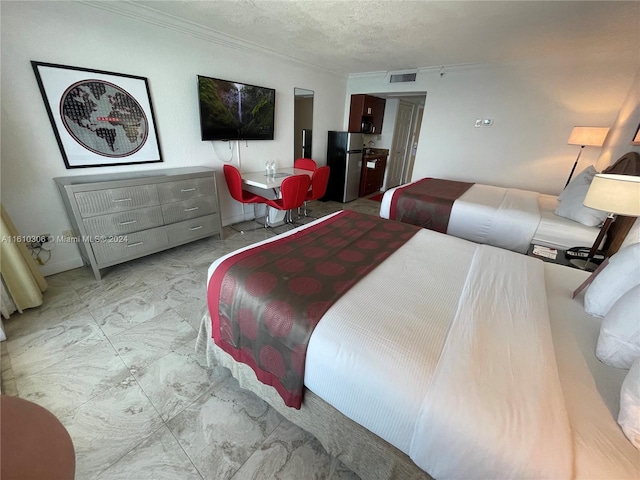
(571, 199)
(619, 339)
(617, 278)
(585, 177)
(629, 415)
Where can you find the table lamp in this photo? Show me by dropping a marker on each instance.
(585, 136)
(615, 194)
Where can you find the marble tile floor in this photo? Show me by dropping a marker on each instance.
(114, 360)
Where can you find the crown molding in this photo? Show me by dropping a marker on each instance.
(152, 16)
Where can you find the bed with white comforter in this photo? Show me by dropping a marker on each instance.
(509, 218)
(453, 354)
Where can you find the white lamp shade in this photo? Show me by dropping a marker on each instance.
(619, 194)
(588, 136)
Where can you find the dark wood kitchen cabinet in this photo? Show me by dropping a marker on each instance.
(366, 114)
(372, 176)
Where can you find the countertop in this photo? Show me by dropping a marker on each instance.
(375, 153)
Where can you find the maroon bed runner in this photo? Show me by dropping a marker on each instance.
(265, 301)
(427, 203)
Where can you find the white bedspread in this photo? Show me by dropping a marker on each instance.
(419, 368)
(495, 407)
(438, 377)
(503, 217)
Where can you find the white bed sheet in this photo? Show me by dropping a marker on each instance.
(591, 388)
(559, 232)
(360, 318)
(472, 217)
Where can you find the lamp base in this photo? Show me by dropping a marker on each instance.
(586, 265)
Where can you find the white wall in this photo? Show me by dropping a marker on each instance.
(618, 141)
(75, 34)
(534, 105)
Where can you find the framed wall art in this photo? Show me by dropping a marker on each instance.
(636, 140)
(99, 118)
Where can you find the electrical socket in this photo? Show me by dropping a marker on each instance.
(40, 240)
(68, 234)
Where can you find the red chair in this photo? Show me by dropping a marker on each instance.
(319, 182)
(293, 191)
(234, 182)
(305, 164)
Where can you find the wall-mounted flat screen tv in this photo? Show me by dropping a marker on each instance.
(235, 111)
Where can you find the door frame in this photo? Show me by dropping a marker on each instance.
(405, 150)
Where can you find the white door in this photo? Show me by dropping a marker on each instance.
(406, 174)
(398, 155)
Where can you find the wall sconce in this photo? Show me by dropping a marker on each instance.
(585, 136)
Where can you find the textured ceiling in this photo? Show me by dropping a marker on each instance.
(373, 35)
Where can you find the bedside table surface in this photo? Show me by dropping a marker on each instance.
(560, 259)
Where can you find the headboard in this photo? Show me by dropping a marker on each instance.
(627, 164)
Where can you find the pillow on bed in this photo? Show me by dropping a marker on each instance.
(571, 199)
(617, 278)
(629, 415)
(619, 339)
(585, 177)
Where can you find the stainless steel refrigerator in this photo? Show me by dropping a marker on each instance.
(344, 156)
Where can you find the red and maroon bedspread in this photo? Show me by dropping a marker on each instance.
(264, 302)
(427, 203)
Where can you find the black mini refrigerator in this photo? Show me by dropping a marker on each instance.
(344, 156)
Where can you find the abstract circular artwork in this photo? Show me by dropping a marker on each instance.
(104, 118)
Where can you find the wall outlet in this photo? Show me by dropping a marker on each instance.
(68, 234)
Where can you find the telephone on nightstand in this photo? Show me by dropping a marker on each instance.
(582, 253)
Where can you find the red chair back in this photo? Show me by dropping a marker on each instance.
(305, 164)
(234, 182)
(319, 182)
(293, 191)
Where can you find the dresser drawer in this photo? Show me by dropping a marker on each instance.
(113, 200)
(130, 246)
(178, 211)
(125, 222)
(183, 190)
(192, 229)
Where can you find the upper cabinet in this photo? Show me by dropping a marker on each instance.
(366, 114)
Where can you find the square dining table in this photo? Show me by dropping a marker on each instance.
(272, 181)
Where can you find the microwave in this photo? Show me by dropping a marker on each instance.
(367, 126)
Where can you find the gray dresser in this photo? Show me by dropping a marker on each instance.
(122, 216)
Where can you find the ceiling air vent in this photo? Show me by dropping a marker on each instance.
(402, 77)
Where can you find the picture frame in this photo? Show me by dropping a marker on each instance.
(99, 118)
(636, 139)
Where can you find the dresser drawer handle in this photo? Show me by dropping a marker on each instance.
(195, 228)
(134, 244)
(122, 200)
(191, 209)
(187, 190)
(129, 222)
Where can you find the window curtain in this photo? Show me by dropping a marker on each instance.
(20, 275)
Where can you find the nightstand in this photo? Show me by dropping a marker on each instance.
(560, 259)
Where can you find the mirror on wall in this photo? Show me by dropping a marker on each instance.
(302, 123)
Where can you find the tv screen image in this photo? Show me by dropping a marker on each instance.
(235, 111)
